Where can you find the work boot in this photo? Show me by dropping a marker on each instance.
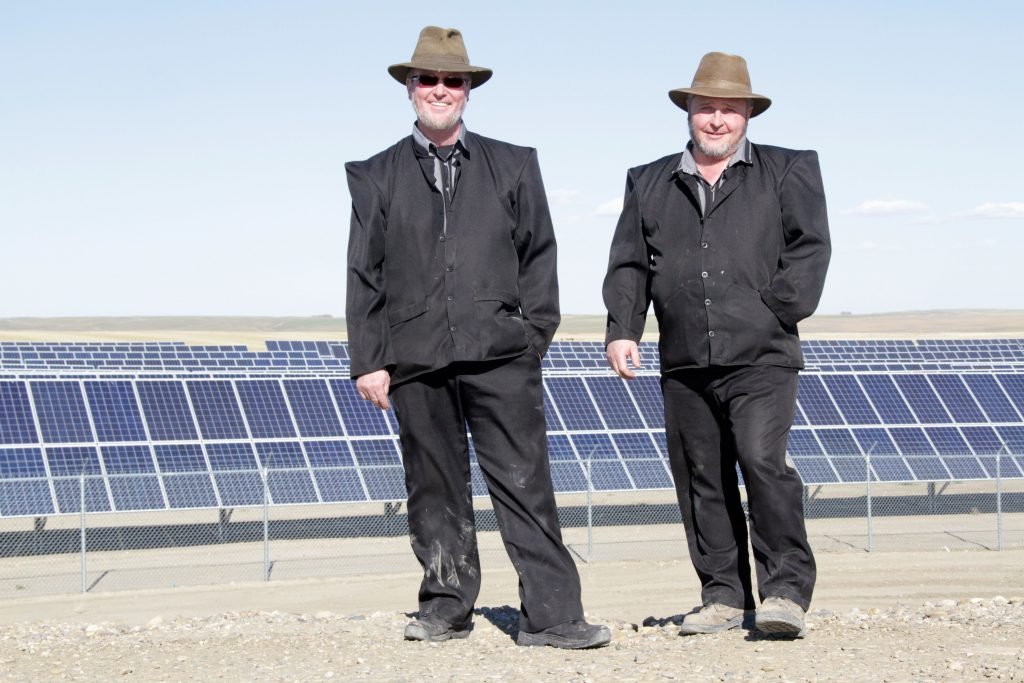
(781, 617)
(712, 618)
(571, 635)
(434, 630)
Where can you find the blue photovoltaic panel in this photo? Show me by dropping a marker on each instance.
(289, 479)
(606, 472)
(959, 402)
(594, 446)
(1013, 437)
(384, 483)
(573, 403)
(24, 497)
(361, 418)
(815, 470)
(335, 472)
(135, 492)
(839, 441)
(376, 452)
(61, 411)
(911, 441)
(552, 422)
(922, 399)
(817, 404)
(887, 399)
(115, 412)
(802, 443)
(236, 487)
(313, 408)
(851, 469)
(66, 466)
(217, 409)
(1014, 387)
(647, 392)
(16, 424)
(328, 454)
(615, 403)
(265, 408)
(185, 475)
(641, 458)
(21, 463)
(850, 398)
(983, 440)
(948, 440)
(167, 412)
(875, 442)
(891, 468)
(991, 398)
(927, 469)
(964, 467)
(566, 471)
(73, 461)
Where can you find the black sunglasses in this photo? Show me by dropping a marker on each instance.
(450, 82)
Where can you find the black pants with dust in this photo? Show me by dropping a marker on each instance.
(502, 403)
(718, 417)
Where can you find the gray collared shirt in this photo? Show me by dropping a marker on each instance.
(688, 165)
(445, 167)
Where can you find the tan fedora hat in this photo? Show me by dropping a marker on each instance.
(721, 75)
(441, 49)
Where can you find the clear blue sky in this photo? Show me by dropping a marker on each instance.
(167, 158)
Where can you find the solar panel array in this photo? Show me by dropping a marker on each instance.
(144, 441)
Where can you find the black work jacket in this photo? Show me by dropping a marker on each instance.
(422, 295)
(730, 287)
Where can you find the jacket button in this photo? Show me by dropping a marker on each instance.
(452, 328)
(450, 297)
(707, 302)
(704, 274)
(442, 238)
(711, 333)
(703, 245)
(450, 268)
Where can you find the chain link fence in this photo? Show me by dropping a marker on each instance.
(99, 551)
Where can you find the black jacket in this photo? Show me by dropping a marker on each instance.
(728, 288)
(422, 296)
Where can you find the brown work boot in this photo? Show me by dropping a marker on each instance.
(781, 617)
(712, 618)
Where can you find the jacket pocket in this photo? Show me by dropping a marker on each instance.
(507, 298)
(404, 313)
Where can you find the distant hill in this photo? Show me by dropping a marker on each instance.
(253, 330)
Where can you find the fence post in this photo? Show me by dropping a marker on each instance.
(81, 530)
(867, 479)
(266, 525)
(999, 499)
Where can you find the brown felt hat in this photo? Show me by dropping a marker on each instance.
(721, 75)
(440, 49)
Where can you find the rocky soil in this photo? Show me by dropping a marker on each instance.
(948, 640)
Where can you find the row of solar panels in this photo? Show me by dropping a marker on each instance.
(318, 437)
(63, 411)
(137, 477)
(878, 356)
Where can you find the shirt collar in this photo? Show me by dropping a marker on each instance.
(425, 146)
(687, 164)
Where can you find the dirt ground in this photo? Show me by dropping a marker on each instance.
(899, 616)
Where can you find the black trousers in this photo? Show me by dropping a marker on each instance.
(502, 403)
(718, 417)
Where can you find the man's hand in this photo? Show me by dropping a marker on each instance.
(620, 352)
(373, 386)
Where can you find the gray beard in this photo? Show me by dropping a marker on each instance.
(439, 125)
(721, 150)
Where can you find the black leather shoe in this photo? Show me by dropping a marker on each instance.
(433, 630)
(571, 635)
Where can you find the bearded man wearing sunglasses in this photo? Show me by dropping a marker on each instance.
(452, 302)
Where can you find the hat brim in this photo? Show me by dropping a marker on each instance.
(478, 75)
(759, 103)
